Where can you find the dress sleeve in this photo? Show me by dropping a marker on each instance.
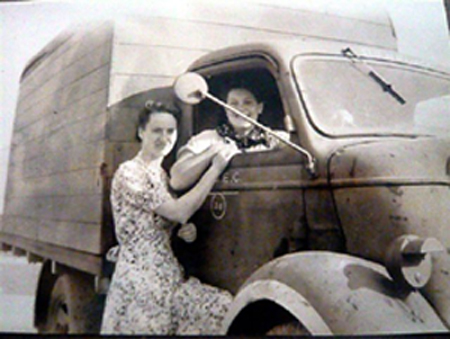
(139, 189)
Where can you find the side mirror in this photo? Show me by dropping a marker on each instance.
(191, 88)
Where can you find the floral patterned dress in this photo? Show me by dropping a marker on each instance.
(148, 294)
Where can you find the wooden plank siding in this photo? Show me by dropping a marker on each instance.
(60, 150)
(82, 208)
(77, 233)
(76, 112)
(84, 156)
(55, 187)
(53, 96)
(70, 183)
(76, 45)
(88, 129)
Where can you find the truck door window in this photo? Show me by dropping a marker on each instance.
(209, 115)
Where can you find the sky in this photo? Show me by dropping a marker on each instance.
(26, 27)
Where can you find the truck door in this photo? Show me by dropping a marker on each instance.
(255, 211)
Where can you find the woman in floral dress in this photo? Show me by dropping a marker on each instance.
(148, 293)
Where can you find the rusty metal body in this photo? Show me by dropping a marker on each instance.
(376, 181)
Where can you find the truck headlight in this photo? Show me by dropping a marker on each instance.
(408, 260)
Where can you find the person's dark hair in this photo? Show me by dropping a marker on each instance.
(150, 108)
(241, 83)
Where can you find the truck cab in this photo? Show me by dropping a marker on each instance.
(376, 125)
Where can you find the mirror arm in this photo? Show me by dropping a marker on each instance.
(310, 167)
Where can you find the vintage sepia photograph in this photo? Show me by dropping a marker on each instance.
(237, 168)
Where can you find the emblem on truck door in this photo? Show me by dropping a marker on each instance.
(218, 206)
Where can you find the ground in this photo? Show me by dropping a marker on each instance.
(17, 287)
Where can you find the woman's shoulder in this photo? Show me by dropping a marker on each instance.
(129, 166)
(132, 175)
(129, 169)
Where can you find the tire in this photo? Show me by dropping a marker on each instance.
(71, 306)
(290, 328)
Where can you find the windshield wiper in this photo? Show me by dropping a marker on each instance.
(374, 75)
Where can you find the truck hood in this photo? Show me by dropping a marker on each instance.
(388, 188)
(396, 161)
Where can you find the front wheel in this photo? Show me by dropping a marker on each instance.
(289, 328)
(70, 306)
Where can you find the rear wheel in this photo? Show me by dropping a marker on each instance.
(70, 309)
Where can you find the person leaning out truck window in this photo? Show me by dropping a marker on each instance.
(196, 156)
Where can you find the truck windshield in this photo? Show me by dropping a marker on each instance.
(341, 100)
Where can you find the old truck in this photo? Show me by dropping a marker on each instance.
(346, 236)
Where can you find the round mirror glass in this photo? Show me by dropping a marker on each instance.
(190, 88)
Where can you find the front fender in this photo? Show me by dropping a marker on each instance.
(282, 295)
(331, 293)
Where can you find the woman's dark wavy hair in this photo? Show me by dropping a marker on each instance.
(242, 83)
(152, 107)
